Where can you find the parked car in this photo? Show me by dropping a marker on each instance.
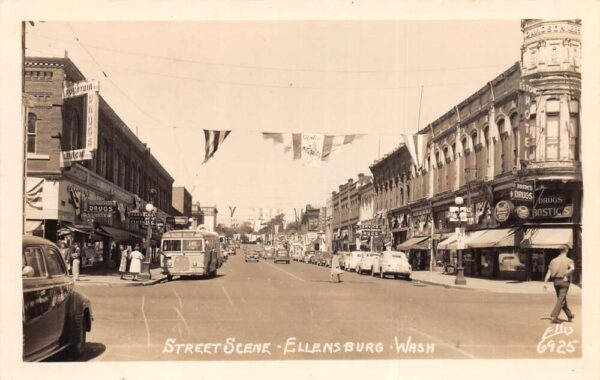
(282, 255)
(365, 265)
(353, 260)
(344, 257)
(55, 316)
(324, 258)
(394, 263)
(308, 256)
(252, 256)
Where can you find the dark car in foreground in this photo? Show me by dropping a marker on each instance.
(282, 256)
(55, 316)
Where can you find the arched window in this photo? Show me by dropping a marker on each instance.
(516, 137)
(504, 147)
(104, 159)
(31, 132)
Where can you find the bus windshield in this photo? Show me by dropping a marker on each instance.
(171, 245)
(192, 245)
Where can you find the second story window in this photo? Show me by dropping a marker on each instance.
(31, 132)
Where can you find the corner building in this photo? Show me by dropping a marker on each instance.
(512, 151)
(121, 173)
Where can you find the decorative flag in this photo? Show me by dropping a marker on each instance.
(311, 148)
(212, 141)
(33, 196)
(417, 146)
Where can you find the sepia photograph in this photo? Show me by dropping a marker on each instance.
(301, 192)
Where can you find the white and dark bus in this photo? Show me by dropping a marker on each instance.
(190, 253)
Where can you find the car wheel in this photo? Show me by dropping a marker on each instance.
(77, 347)
(381, 274)
(372, 272)
(169, 277)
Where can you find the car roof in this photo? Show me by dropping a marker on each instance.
(30, 239)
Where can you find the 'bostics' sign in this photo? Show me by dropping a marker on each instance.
(553, 205)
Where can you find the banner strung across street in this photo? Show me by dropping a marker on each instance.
(309, 147)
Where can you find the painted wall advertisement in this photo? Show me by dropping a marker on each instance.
(89, 89)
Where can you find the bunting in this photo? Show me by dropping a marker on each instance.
(311, 148)
(33, 197)
(213, 139)
(417, 146)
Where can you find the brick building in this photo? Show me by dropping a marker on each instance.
(511, 150)
(182, 201)
(63, 196)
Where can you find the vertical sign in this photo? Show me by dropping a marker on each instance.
(89, 89)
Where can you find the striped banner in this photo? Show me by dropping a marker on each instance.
(33, 196)
(311, 148)
(417, 147)
(213, 139)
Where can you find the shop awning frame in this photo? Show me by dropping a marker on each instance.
(450, 242)
(412, 243)
(550, 238)
(503, 237)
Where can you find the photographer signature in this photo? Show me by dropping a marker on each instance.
(551, 343)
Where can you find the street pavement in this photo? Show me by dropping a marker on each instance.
(267, 311)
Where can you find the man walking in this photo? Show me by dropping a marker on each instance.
(560, 270)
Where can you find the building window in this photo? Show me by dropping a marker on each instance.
(31, 132)
(77, 132)
(552, 129)
(514, 123)
(116, 164)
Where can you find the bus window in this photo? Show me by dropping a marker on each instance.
(192, 245)
(171, 245)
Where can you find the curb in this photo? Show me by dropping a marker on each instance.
(486, 290)
(124, 284)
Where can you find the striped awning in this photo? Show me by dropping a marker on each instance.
(553, 238)
(504, 237)
(450, 243)
(413, 243)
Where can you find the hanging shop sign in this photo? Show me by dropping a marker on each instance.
(553, 205)
(90, 90)
(503, 210)
(522, 191)
(141, 218)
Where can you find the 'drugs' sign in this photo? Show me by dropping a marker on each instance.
(553, 205)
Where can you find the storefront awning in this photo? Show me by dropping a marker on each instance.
(413, 243)
(69, 229)
(116, 233)
(450, 243)
(504, 237)
(32, 225)
(553, 238)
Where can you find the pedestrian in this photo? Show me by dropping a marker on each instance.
(335, 268)
(123, 262)
(136, 262)
(560, 271)
(64, 252)
(76, 256)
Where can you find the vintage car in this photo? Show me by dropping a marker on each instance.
(365, 265)
(252, 255)
(392, 263)
(352, 260)
(308, 257)
(55, 316)
(282, 256)
(324, 258)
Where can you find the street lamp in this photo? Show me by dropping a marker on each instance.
(151, 210)
(461, 214)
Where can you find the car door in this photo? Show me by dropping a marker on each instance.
(39, 322)
(61, 291)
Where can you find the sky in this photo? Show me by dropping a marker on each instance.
(169, 80)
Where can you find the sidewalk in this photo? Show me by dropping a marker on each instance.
(484, 285)
(113, 279)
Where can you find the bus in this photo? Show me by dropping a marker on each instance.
(190, 253)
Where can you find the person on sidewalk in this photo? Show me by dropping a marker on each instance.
(123, 263)
(560, 270)
(335, 268)
(76, 256)
(136, 262)
(64, 252)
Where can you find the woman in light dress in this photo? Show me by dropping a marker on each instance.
(136, 262)
(336, 270)
(123, 263)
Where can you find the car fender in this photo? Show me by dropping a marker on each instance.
(81, 307)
